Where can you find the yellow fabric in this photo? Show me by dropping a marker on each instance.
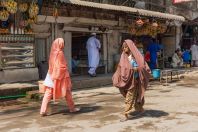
(131, 101)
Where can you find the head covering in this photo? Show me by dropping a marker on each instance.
(136, 53)
(56, 49)
(93, 34)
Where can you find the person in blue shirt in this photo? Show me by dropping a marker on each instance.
(75, 63)
(186, 56)
(153, 48)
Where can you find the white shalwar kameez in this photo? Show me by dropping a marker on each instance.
(194, 50)
(177, 61)
(93, 46)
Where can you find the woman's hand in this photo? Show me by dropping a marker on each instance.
(135, 68)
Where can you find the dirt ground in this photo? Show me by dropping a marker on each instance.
(167, 109)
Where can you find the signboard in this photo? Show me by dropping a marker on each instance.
(181, 1)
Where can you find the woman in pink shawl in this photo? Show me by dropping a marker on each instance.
(131, 77)
(57, 82)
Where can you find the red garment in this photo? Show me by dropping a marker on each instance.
(147, 56)
(58, 70)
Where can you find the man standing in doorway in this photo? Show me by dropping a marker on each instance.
(194, 51)
(93, 46)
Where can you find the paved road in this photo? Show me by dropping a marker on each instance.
(168, 109)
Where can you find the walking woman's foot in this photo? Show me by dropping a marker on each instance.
(74, 110)
(125, 118)
(44, 114)
(138, 113)
(142, 111)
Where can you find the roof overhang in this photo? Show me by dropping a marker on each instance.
(125, 9)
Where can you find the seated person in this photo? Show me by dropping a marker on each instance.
(177, 60)
(75, 63)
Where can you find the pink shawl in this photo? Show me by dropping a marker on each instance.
(58, 69)
(124, 75)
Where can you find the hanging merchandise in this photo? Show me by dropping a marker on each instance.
(55, 12)
(139, 22)
(23, 23)
(11, 6)
(28, 30)
(12, 29)
(155, 25)
(23, 7)
(4, 15)
(145, 27)
(32, 20)
(3, 3)
(33, 10)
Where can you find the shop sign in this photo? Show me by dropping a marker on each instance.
(181, 1)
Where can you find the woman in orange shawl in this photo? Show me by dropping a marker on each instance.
(57, 82)
(131, 80)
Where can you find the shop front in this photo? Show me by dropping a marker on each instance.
(75, 21)
(17, 41)
(119, 20)
(76, 31)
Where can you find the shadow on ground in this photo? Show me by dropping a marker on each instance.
(19, 112)
(84, 108)
(149, 113)
(187, 85)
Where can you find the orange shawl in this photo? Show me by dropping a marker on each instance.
(124, 75)
(58, 69)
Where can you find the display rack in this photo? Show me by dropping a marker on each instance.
(17, 51)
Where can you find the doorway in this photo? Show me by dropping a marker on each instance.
(79, 53)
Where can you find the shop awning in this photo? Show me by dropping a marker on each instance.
(125, 9)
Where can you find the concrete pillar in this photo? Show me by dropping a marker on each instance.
(40, 50)
(105, 51)
(58, 32)
(68, 49)
(169, 43)
(48, 46)
(53, 31)
(178, 37)
(112, 49)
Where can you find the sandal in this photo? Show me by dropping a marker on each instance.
(125, 118)
(44, 114)
(75, 110)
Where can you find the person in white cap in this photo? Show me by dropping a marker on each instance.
(93, 46)
(194, 51)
